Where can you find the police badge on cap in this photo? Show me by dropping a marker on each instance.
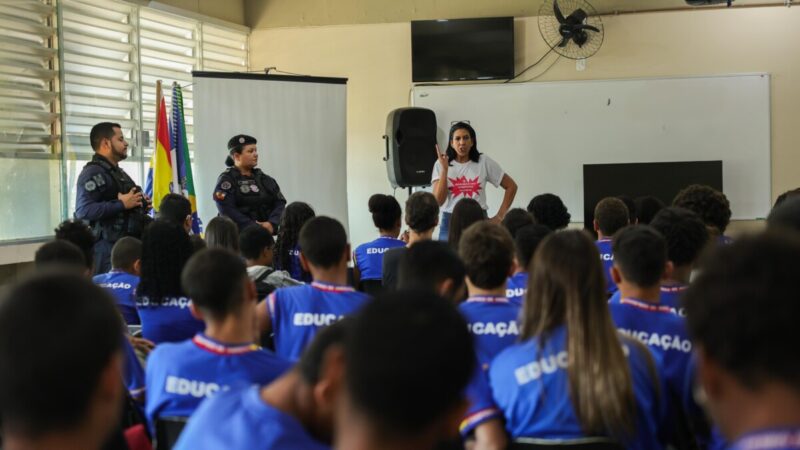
(236, 143)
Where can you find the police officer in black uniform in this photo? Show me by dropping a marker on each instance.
(107, 198)
(246, 194)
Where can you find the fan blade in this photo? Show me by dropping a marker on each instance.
(577, 16)
(580, 38)
(588, 27)
(557, 11)
(564, 42)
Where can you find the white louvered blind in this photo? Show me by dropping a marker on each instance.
(28, 76)
(224, 49)
(100, 69)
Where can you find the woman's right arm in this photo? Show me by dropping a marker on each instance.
(440, 189)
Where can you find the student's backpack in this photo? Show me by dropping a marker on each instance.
(263, 289)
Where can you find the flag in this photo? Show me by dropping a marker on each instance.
(180, 147)
(161, 161)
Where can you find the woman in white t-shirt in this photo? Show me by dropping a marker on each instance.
(467, 171)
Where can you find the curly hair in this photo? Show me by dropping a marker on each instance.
(549, 210)
(165, 250)
(710, 204)
(80, 234)
(385, 211)
(685, 232)
(294, 217)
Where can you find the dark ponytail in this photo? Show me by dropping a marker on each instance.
(229, 161)
(385, 211)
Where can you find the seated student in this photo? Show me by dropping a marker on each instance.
(785, 215)
(176, 209)
(67, 393)
(222, 232)
(633, 211)
(256, 244)
(466, 212)
(515, 219)
(296, 411)
(640, 262)
(525, 244)
(647, 206)
(368, 257)
(126, 258)
(747, 364)
(572, 375)
(295, 314)
(77, 232)
(488, 251)
(180, 375)
(610, 216)
(163, 307)
(433, 266)
(287, 246)
(711, 205)
(422, 217)
(791, 193)
(549, 210)
(62, 254)
(686, 237)
(408, 358)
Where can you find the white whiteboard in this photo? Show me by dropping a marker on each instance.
(542, 133)
(301, 128)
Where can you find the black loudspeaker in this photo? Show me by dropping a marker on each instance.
(410, 146)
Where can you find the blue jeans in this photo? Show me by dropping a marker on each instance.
(444, 226)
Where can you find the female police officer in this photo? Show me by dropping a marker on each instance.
(244, 193)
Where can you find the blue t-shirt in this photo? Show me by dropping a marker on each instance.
(122, 286)
(604, 246)
(531, 386)
(179, 376)
(517, 287)
(670, 296)
(133, 373)
(295, 269)
(297, 312)
(769, 439)
(240, 420)
(481, 404)
(664, 332)
(168, 319)
(368, 258)
(492, 321)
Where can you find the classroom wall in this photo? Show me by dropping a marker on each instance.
(377, 60)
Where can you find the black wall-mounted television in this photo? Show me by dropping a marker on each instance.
(462, 49)
(662, 180)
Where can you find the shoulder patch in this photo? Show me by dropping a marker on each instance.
(225, 185)
(90, 186)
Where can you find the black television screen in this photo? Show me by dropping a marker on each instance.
(661, 180)
(462, 49)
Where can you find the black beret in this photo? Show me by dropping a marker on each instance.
(239, 141)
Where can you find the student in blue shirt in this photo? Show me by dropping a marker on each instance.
(295, 314)
(640, 262)
(408, 357)
(121, 282)
(163, 307)
(572, 375)
(515, 219)
(296, 411)
(526, 241)
(433, 266)
(64, 389)
(180, 375)
(287, 246)
(747, 361)
(711, 205)
(368, 257)
(610, 216)
(62, 255)
(487, 251)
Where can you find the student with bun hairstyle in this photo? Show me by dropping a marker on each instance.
(368, 257)
(572, 376)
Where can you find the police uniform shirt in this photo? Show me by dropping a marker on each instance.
(492, 321)
(481, 404)
(607, 258)
(122, 285)
(247, 199)
(517, 287)
(297, 313)
(240, 420)
(530, 384)
(181, 375)
(778, 438)
(168, 319)
(658, 327)
(96, 193)
(369, 257)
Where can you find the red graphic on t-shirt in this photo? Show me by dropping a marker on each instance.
(462, 185)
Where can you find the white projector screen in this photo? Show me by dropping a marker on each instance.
(300, 124)
(543, 133)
